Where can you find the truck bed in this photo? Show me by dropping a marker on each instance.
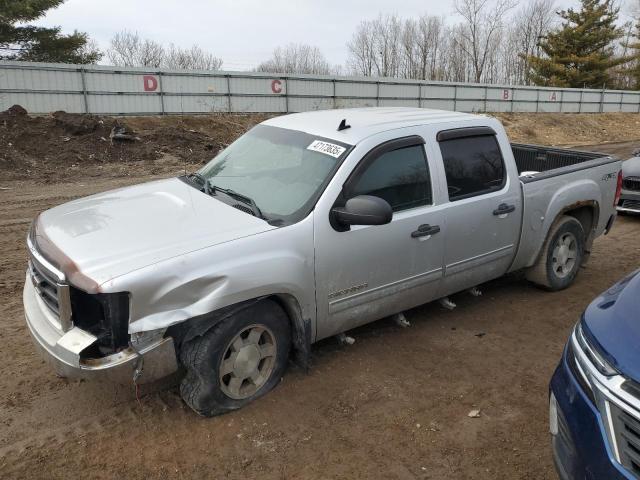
(552, 161)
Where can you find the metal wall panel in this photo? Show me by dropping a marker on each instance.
(305, 104)
(44, 102)
(524, 94)
(195, 103)
(197, 84)
(43, 88)
(121, 104)
(32, 79)
(399, 102)
(399, 91)
(309, 87)
(264, 86)
(438, 91)
(355, 102)
(270, 104)
(471, 93)
(356, 89)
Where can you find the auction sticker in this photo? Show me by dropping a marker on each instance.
(327, 148)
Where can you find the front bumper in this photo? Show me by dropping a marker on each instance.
(580, 448)
(629, 201)
(61, 349)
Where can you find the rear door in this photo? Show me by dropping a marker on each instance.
(484, 208)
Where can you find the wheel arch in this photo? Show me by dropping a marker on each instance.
(301, 333)
(587, 212)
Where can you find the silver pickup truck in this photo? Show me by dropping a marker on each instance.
(307, 226)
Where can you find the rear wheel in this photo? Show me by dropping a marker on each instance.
(561, 256)
(237, 361)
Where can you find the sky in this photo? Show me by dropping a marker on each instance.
(242, 32)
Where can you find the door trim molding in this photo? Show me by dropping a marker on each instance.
(462, 265)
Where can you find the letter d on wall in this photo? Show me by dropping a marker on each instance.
(150, 83)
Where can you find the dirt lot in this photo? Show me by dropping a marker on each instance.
(393, 405)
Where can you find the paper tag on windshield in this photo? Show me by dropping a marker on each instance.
(327, 148)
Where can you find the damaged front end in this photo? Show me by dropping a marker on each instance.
(83, 335)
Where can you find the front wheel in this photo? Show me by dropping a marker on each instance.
(561, 255)
(236, 361)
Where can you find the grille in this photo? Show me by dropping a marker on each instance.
(631, 204)
(54, 294)
(627, 434)
(631, 183)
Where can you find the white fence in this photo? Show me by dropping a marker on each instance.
(44, 88)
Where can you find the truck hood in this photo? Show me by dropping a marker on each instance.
(612, 323)
(631, 167)
(97, 238)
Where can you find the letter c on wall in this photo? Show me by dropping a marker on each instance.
(150, 83)
(276, 86)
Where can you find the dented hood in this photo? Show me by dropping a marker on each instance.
(97, 238)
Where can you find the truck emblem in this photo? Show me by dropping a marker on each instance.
(353, 289)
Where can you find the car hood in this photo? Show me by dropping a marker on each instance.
(97, 238)
(613, 324)
(631, 167)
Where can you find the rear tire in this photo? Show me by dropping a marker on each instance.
(237, 361)
(561, 256)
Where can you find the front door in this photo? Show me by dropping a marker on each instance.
(364, 273)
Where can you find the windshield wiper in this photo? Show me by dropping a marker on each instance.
(238, 196)
(201, 178)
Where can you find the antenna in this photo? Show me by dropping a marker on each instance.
(343, 125)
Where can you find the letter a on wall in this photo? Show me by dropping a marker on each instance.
(150, 83)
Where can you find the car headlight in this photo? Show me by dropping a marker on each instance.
(591, 351)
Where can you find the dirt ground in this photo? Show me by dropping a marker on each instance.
(393, 405)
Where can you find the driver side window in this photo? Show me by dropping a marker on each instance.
(401, 177)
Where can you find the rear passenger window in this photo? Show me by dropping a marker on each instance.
(473, 165)
(400, 177)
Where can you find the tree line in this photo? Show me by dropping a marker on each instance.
(494, 41)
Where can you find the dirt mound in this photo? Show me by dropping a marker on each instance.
(16, 110)
(75, 124)
(63, 145)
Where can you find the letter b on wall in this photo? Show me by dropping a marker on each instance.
(150, 83)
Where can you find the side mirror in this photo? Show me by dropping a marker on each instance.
(364, 210)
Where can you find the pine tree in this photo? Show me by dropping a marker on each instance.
(581, 52)
(20, 41)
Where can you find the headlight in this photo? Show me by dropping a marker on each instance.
(105, 315)
(596, 358)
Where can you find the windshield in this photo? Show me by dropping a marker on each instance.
(283, 171)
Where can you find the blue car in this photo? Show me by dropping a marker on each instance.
(594, 400)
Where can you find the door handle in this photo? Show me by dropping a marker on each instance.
(425, 230)
(503, 209)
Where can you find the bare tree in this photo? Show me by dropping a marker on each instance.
(375, 48)
(128, 49)
(361, 50)
(193, 58)
(531, 23)
(296, 58)
(482, 22)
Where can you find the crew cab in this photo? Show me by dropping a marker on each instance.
(307, 226)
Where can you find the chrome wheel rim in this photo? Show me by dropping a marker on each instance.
(248, 362)
(565, 254)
